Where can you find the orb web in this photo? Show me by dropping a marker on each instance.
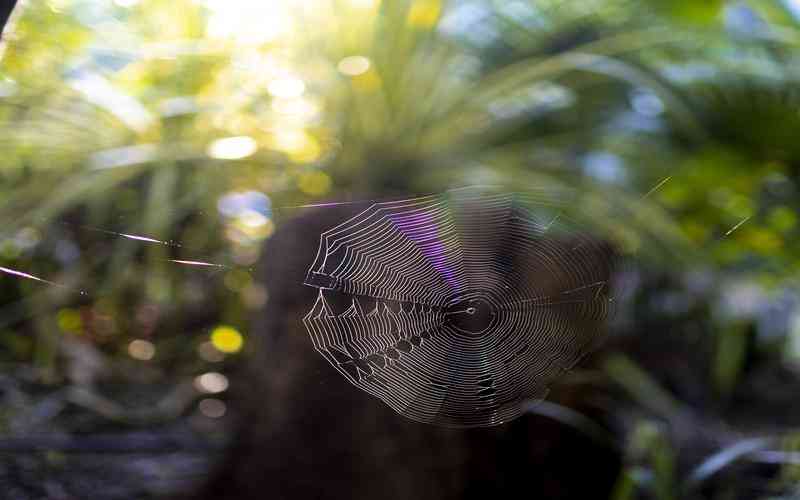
(465, 305)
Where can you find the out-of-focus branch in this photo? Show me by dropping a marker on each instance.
(112, 443)
(167, 409)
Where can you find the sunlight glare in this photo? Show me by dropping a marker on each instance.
(286, 87)
(248, 22)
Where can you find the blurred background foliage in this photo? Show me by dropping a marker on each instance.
(151, 146)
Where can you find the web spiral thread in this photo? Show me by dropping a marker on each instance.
(465, 305)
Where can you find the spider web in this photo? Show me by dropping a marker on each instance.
(465, 305)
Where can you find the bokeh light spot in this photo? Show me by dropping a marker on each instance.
(253, 220)
(249, 227)
(143, 350)
(232, 148)
(69, 320)
(310, 152)
(211, 383)
(227, 339)
(300, 146)
(424, 13)
(354, 65)
(235, 203)
(212, 408)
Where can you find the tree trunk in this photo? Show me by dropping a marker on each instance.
(306, 432)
